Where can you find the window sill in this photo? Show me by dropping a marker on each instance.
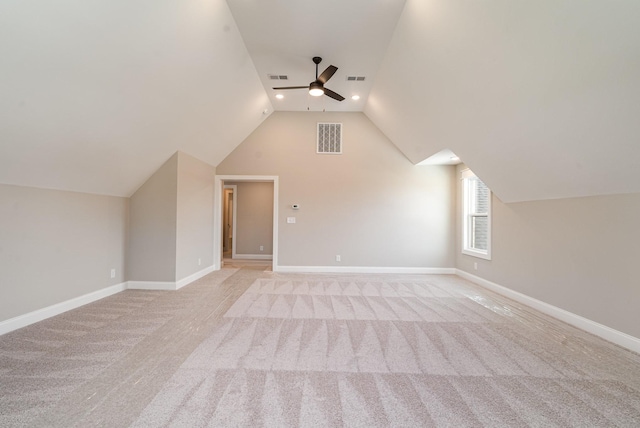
(478, 254)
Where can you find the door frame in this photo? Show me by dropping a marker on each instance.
(234, 209)
(217, 214)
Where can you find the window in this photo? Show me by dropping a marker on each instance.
(476, 229)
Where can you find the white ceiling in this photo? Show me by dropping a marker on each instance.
(539, 98)
(95, 95)
(283, 36)
(443, 157)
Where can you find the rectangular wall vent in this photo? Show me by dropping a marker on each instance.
(278, 77)
(355, 78)
(329, 138)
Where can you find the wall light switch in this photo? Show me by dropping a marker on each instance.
(113, 273)
(291, 219)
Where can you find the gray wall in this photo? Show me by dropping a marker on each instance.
(370, 205)
(254, 217)
(578, 254)
(152, 225)
(194, 236)
(57, 245)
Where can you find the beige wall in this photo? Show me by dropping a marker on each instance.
(370, 205)
(57, 245)
(194, 223)
(254, 218)
(578, 254)
(171, 222)
(152, 217)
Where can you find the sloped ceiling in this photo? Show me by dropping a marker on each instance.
(283, 36)
(95, 95)
(541, 99)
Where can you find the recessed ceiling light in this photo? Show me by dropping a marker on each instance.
(355, 97)
(279, 96)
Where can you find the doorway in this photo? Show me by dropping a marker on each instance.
(227, 240)
(229, 220)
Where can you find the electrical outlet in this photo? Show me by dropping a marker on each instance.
(475, 266)
(338, 258)
(291, 220)
(113, 273)
(261, 247)
(199, 262)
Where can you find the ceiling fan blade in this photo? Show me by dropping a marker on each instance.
(331, 94)
(291, 87)
(326, 75)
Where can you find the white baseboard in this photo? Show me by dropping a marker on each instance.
(363, 269)
(169, 285)
(194, 277)
(253, 256)
(607, 333)
(53, 310)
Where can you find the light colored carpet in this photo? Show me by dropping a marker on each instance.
(252, 348)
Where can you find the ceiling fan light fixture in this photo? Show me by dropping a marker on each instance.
(316, 89)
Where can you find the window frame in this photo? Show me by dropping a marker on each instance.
(467, 217)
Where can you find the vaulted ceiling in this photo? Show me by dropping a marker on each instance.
(97, 94)
(283, 36)
(540, 98)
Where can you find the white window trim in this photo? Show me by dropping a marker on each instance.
(467, 173)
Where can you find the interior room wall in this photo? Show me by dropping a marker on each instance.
(152, 224)
(369, 205)
(57, 245)
(578, 254)
(254, 218)
(194, 222)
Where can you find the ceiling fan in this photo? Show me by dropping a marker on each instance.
(316, 88)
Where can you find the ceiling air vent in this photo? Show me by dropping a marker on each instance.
(329, 138)
(278, 77)
(355, 78)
